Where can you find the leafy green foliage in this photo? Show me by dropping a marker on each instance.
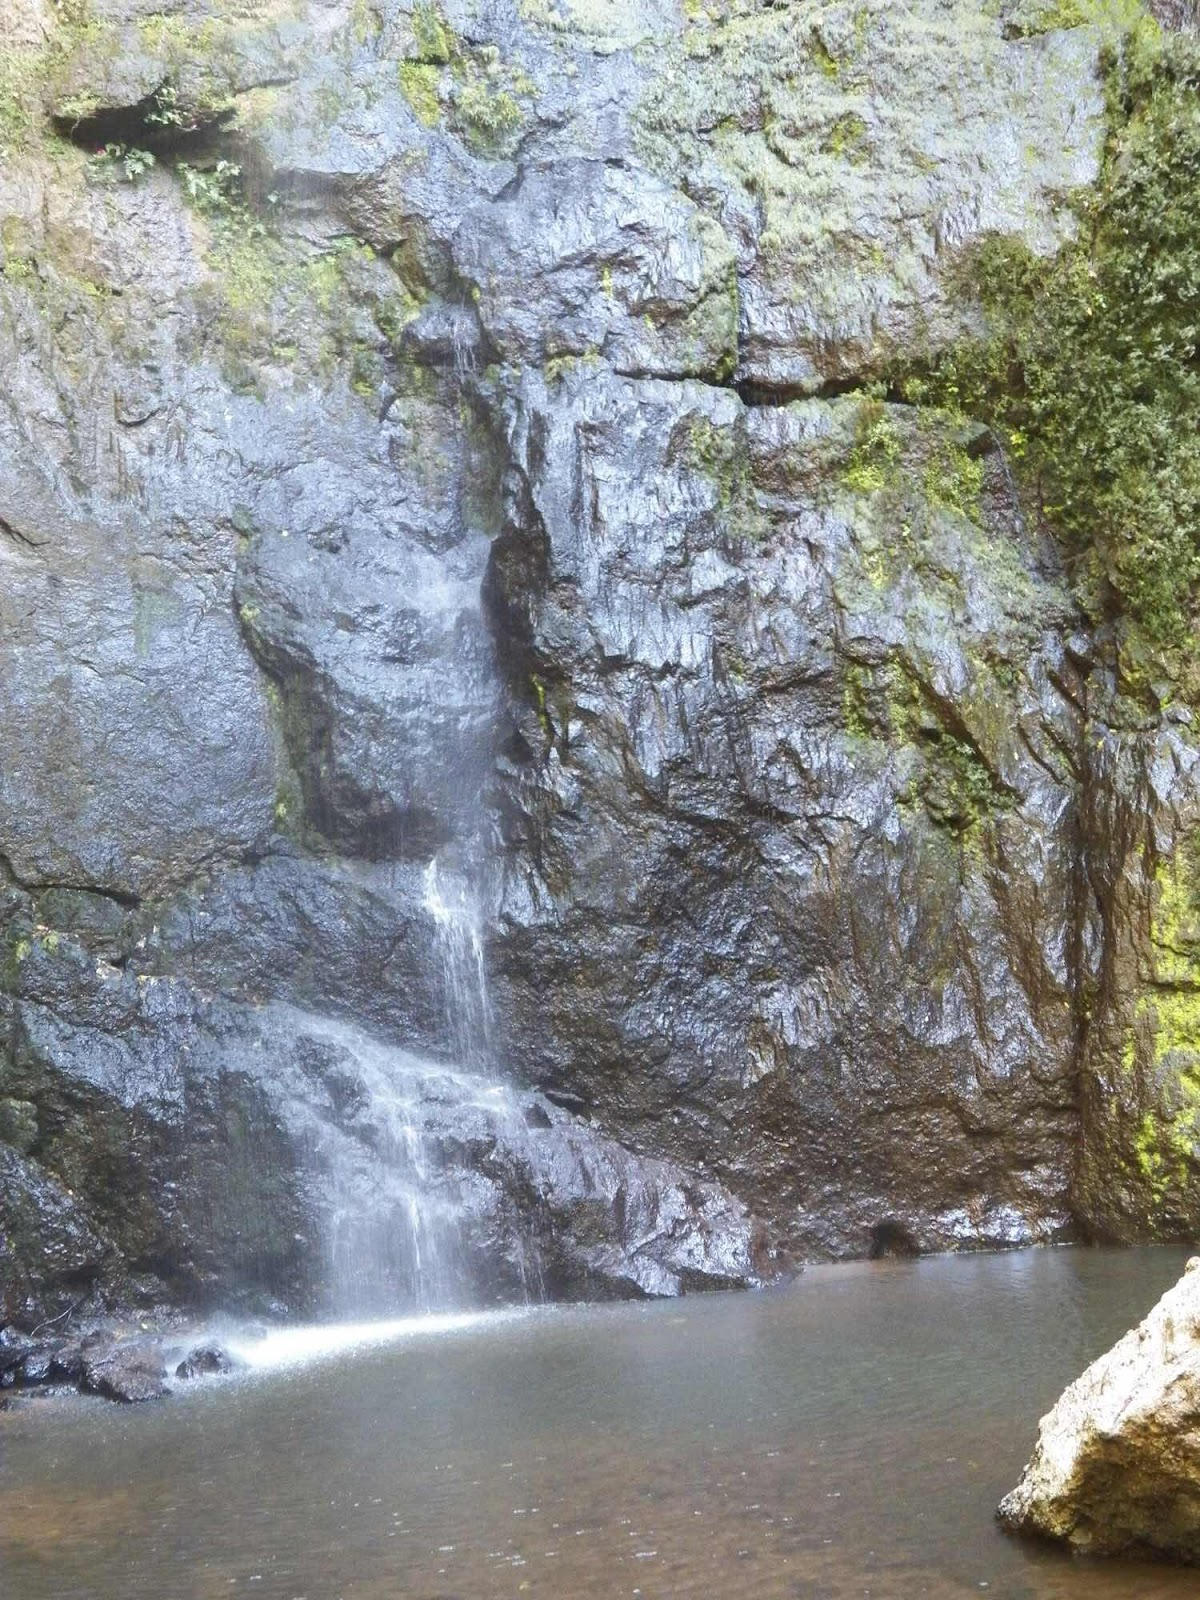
(1089, 370)
(125, 160)
(218, 192)
(165, 111)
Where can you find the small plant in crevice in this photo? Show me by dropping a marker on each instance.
(874, 458)
(124, 161)
(164, 109)
(218, 192)
(165, 113)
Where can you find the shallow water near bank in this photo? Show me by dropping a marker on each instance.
(849, 1435)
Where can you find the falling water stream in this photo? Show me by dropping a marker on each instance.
(459, 941)
(395, 1211)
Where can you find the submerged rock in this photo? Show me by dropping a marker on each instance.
(1117, 1463)
(204, 1361)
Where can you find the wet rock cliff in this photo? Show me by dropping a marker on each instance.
(482, 438)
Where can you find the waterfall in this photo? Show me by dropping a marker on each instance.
(458, 932)
(400, 1240)
(403, 1154)
(399, 1191)
(391, 1240)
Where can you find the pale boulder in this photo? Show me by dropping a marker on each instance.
(1117, 1462)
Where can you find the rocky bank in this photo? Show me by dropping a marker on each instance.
(470, 434)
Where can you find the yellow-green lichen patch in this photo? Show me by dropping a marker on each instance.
(1168, 1140)
(874, 460)
(1160, 1054)
(1152, 1164)
(488, 112)
(434, 40)
(1172, 1020)
(419, 84)
(848, 137)
(1166, 1145)
(557, 368)
(861, 716)
(920, 455)
(479, 95)
(953, 478)
(1112, 17)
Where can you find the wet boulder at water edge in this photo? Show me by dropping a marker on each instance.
(1117, 1464)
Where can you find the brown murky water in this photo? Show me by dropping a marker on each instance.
(846, 1437)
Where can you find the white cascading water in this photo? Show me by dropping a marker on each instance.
(397, 1200)
(394, 1235)
(388, 1234)
(459, 935)
(396, 1216)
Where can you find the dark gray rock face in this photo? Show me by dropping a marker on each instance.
(455, 460)
(824, 938)
(50, 1256)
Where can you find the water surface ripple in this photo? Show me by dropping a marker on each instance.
(846, 1437)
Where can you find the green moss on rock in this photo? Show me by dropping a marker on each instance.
(951, 781)
(419, 85)
(33, 67)
(1160, 1059)
(1088, 370)
(721, 457)
(922, 457)
(471, 88)
(1030, 17)
(874, 460)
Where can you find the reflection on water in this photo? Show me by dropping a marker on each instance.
(848, 1436)
(318, 1341)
